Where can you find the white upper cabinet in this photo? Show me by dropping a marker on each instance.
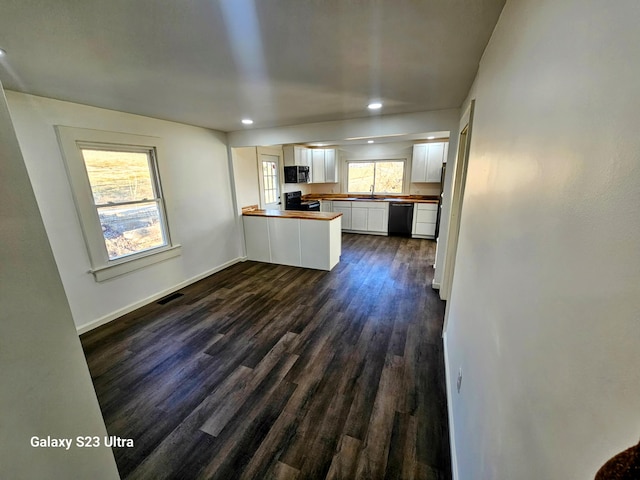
(419, 163)
(427, 162)
(324, 168)
(330, 166)
(296, 155)
(317, 165)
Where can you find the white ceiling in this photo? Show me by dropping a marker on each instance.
(280, 62)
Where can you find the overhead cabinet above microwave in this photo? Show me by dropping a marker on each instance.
(296, 155)
(322, 162)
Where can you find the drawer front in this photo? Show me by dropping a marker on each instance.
(380, 205)
(427, 206)
(341, 204)
(425, 229)
(427, 216)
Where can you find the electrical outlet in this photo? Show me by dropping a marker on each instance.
(459, 382)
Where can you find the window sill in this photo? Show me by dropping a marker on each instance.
(129, 265)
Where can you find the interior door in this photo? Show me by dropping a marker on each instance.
(269, 180)
(457, 197)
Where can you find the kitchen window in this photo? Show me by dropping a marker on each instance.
(116, 186)
(385, 176)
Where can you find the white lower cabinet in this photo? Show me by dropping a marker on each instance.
(256, 238)
(362, 216)
(314, 238)
(284, 237)
(345, 209)
(326, 206)
(377, 220)
(425, 216)
(359, 218)
(290, 241)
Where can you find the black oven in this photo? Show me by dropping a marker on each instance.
(296, 174)
(293, 201)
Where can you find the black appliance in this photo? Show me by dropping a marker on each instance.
(297, 174)
(293, 201)
(400, 219)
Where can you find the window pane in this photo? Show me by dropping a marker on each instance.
(131, 229)
(117, 177)
(269, 175)
(389, 177)
(360, 177)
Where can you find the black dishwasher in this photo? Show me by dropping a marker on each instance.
(400, 219)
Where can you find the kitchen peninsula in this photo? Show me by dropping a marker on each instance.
(299, 239)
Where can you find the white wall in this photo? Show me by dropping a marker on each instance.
(245, 173)
(544, 313)
(45, 384)
(197, 188)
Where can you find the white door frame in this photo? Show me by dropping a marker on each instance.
(457, 197)
(271, 152)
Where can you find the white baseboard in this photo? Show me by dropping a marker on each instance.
(366, 232)
(435, 285)
(130, 308)
(452, 436)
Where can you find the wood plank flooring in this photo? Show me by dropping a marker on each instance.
(272, 372)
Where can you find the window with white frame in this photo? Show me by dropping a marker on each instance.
(375, 176)
(270, 179)
(116, 187)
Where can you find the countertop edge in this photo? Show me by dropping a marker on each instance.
(322, 216)
(386, 199)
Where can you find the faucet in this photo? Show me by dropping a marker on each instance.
(371, 189)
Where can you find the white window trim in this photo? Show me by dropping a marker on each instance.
(70, 139)
(405, 187)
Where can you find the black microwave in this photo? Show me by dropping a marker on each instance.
(297, 174)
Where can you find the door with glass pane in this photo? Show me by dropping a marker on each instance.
(270, 182)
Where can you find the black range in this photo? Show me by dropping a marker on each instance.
(293, 201)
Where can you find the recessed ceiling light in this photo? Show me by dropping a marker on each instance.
(430, 138)
(247, 121)
(2, 52)
(369, 141)
(374, 106)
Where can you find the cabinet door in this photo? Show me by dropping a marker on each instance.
(428, 229)
(427, 215)
(302, 156)
(256, 237)
(330, 166)
(325, 206)
(289, 155)
(419, 163)
(317, 165)
(435, 157)
(346, 216)
(377, 220)
(284, 239)
(359, 218)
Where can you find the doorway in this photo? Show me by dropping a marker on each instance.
(457, 197)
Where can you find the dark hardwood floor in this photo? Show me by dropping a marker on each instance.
(271, 372)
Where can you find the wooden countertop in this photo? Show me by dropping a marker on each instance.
(376, 198)
(327, 216)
